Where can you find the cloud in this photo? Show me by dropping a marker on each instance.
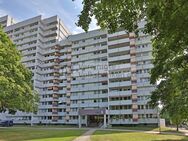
(78, 4)
(77, 30)
(3, 12)
(93, 24)
(67, 10)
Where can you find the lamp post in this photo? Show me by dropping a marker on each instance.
(33, 105)
(32, 113)
(32, 118)
(159, 107)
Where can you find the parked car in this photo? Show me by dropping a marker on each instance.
(6, 123)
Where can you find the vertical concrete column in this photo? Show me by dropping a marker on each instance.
(133, 76)
(79, 121)
(104, 120)
(86, 120)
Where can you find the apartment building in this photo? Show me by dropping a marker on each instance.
(90, 79)
(6, 21)
(35, 38)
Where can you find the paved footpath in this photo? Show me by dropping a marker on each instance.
(86, 136)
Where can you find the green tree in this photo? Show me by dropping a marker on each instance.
(167, 22)
(16, 92)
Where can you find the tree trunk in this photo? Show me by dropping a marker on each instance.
(177, 127)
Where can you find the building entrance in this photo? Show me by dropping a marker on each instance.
(95, 120)
(93, 117)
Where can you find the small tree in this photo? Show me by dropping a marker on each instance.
(16, 90)
(174, 100)
(176, 112)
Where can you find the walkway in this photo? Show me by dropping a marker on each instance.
(86, 136)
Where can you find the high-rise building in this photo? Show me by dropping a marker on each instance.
(6, 21)
(91, 79)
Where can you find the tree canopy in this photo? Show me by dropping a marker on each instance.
(16, 90)
(167, 23)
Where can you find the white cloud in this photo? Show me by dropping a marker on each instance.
(3, 12)
(77, 30)
(93, 24)
(48, 8)
(78, 4)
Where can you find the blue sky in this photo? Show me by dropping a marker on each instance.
(67, 10)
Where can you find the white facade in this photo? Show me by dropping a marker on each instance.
(94, 70)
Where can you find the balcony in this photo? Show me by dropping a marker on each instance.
(62, 92)
(117, 34)
(78, 89)
(143, 84)
(49, 51)
(73, 113)
(145, 66)
(121, 121)
(48, 85)
(89, 50)
(26, 52)
(148, 120)
(147, 111)
(89, 96)
(29, 64)
(120, 67)
(149, 48)
(91, 42)
(143, 75)
(144, 41)
(118, 58)
(90, 104)
(63, 57)
(73, 121)
(120, 102)
(120, 84)
(120, 75)
(26, 58)
(26, 46)
(91, 57)
(119, 41)
(122, 49)
(46, 99)
(48, 78)
(50, 57)
(119, 93)
(48, 64)
(119, 112)
(90, 80)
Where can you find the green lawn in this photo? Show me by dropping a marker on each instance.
(47, 126)
(145, 128)
(142, 128)
(35, 134)
(134, 136)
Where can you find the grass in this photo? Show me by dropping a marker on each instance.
(143, 128)
(36, 134)
(101, 135)
(48, 126)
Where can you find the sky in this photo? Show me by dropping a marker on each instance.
(67, 10)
